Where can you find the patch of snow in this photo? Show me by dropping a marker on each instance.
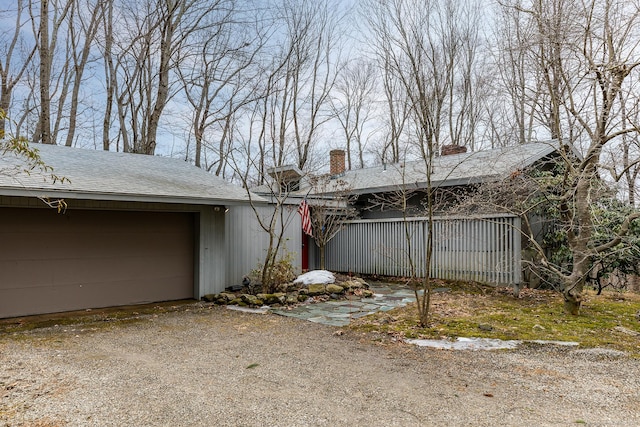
(323, 277)
(466, 344)
(481, 343)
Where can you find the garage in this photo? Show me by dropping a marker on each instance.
(132, 229)
(53, 262)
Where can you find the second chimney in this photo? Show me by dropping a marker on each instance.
(336, 162)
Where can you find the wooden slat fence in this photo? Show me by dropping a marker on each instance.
(484, 249)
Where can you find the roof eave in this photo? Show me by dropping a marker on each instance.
(423, 185)
(144, 198)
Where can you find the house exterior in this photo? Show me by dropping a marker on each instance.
(132, 229)
(485, 248)
(247, 242)
(455, 173)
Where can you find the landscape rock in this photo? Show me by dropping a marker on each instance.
(228, 296)
(288, 287)
(292, 298)
(209, 297)
(354, 284)
(334, 289)
(250, 299)
(316, 289)
(270, 299)
(292, 293)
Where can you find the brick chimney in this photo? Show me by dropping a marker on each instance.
(447, 150)
(336, 162)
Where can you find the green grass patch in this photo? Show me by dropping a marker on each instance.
(608, 320)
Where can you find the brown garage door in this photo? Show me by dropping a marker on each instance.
(52, 262)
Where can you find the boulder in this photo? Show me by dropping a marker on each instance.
(227, 296)
(250, 299)
(334, 289)
(292, 298)
(209, 297)
(355, 284)
(316, 289)
(270, 299)
(287, 287)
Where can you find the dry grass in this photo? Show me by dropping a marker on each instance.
(471, 310)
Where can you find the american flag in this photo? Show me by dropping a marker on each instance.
(303, 210)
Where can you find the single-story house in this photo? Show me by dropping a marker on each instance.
(455, 172)
(131, 229)
(375, 243)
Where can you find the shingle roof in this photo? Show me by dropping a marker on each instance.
(450, 170)
(102, 175)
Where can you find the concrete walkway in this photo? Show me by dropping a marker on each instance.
(340, 313)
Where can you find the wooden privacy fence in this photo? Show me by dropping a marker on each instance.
(484, 249)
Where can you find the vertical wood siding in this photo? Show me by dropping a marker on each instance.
(483, 249)
(246, 242)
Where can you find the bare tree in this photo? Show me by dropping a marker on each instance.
(622, 157)
(220, 81)
(404, 39)
(47, 42)
(10, 73)
(514, 122)
(588, 56)
(82, 33)
(397, 114)
(105, 41)
(273, 218)
(298, 79)
(149, 36)
(461, 21)
(330, 212)
(352, 105)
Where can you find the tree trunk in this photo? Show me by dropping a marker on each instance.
(44, 124)
(572, 294)
(322, 257)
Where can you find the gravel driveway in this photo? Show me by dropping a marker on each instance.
(209, 366)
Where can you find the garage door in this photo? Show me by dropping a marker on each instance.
(52, 262)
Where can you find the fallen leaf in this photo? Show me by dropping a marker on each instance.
(253, 365)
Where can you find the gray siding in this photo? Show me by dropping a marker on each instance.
(247, 242)
(482, 249)
(210, 258)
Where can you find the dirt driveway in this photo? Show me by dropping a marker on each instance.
(209, 366)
